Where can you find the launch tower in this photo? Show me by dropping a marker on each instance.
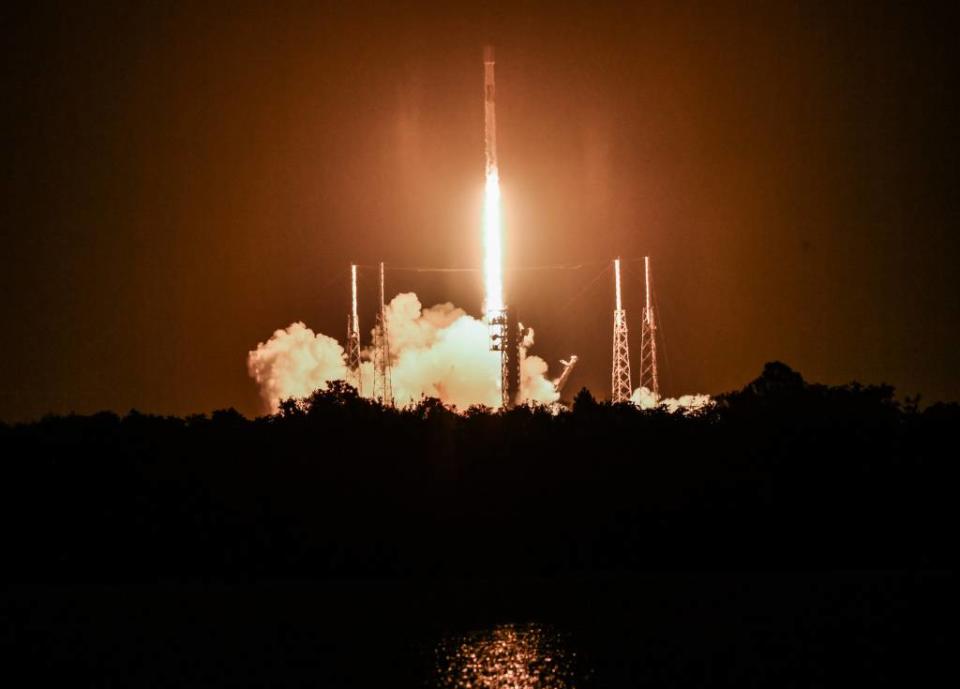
(382, 386)
(505, 338)
(353, 335)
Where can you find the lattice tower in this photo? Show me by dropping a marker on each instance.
(648, 340)
(621, 388)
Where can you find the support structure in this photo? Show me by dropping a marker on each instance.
(621, 387)
(353, 336)
(560, 381)
(648, 340)
(382, 386)
(505, 338)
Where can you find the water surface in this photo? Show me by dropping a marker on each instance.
(508, 656)
(664, 630)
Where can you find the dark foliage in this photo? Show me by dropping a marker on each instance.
(779, 474)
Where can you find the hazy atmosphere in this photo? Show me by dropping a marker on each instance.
(181, 181)
(494, 346)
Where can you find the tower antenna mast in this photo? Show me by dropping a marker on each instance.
(620, 379)
(648, 340)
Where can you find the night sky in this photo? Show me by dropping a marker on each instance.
(181, 179)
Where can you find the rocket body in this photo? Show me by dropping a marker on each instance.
(489, 111)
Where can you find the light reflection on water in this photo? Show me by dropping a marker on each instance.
(506, 657)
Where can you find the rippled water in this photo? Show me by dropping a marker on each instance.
(508, 657)
(670, 630)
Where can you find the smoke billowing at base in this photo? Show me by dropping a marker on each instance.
(440, 352)
(645, 399)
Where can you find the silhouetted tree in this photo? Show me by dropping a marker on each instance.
(584, 402)
(780, 472)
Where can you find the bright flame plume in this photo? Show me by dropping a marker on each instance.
(492, 246)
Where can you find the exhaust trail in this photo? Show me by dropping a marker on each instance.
(492, 229)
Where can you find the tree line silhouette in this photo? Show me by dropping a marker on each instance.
(779, 474)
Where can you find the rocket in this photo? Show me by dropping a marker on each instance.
(489, 112)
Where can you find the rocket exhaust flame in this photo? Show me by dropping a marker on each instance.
(493, 252)
(492, 230)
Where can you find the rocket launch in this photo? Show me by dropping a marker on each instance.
(492, 231)
(442, 352)
(503, 328)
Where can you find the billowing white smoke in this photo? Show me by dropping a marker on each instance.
(438, 352)
(645, 399)
(294, 363)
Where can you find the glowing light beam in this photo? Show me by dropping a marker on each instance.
(492, 228)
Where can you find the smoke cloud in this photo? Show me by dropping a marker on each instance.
(440, 352)
(294, 363)
(645, 399)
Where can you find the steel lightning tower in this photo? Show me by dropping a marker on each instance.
(620, 380)
(504, 335)
(648, 340)
(353, 334)
(382, 386)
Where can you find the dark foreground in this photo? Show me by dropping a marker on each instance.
(802, 535)
(659, 630)
(781, 475)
